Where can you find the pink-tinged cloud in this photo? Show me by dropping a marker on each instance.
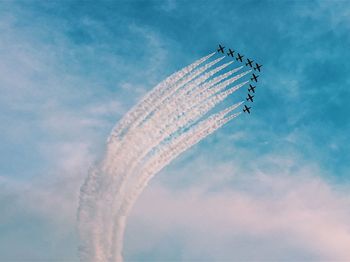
(302, 214)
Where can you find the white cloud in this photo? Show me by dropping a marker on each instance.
(287, 217)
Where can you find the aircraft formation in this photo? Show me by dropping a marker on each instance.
(254, 78)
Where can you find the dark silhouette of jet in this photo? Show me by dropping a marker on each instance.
(239, 57)
(246, 109)
(257, 67)
(250, 62)
(221, 49)
(249, 98)
(252, 88)
(254, 78)
(230, 52)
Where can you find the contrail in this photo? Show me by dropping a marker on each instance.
(147, 103)
(162, 158)
(153, 95)
(161, 96)
(170, 119)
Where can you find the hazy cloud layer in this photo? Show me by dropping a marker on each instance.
(262, 216)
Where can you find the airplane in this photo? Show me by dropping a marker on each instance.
(252, 88)
(257, 67)
(239, 57)
(230, 53)
(221, 49)
(254, 78)
(249, 62)
(246, 109)
(249, 98)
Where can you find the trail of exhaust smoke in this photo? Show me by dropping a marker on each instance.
(177, 126)
(152, 96)
(93, 186)
(152, 134)
(139, 112)
(166, 93)
(143, 147)
(163, 157)
(149, 105)
(175, 99)
(178, 106)
(156, 136)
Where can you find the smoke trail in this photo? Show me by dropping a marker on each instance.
(160, 159)
(161, 94)
(147, 103)
(153, 95)
(168, 121)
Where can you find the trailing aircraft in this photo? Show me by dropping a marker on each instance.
(252, 88)
(239, 57)
(257, 67)
(246, 109)
(249, 62)
(254, 78)
(221, 49)
(249, 98)
(230, 52)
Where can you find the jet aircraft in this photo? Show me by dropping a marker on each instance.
(249, 98)
(249, 62)
(254, 78)
(239, 57)
(246, 109)
(257, 67)
(252, 88)
(221, 49)
(230, 52)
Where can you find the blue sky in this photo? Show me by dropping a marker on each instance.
(70, 69)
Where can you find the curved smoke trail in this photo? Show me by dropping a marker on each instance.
(170, 119)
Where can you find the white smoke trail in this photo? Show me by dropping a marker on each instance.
(147, 103)
(152, 96)
(164, 113)
(156, 136)
(112, 155)
(182, 106)
(158, 99)
(182, 110)
(187, 119)
(160, 159)
(147, 145)
(162, 126)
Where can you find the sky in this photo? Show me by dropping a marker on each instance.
(273, 185)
